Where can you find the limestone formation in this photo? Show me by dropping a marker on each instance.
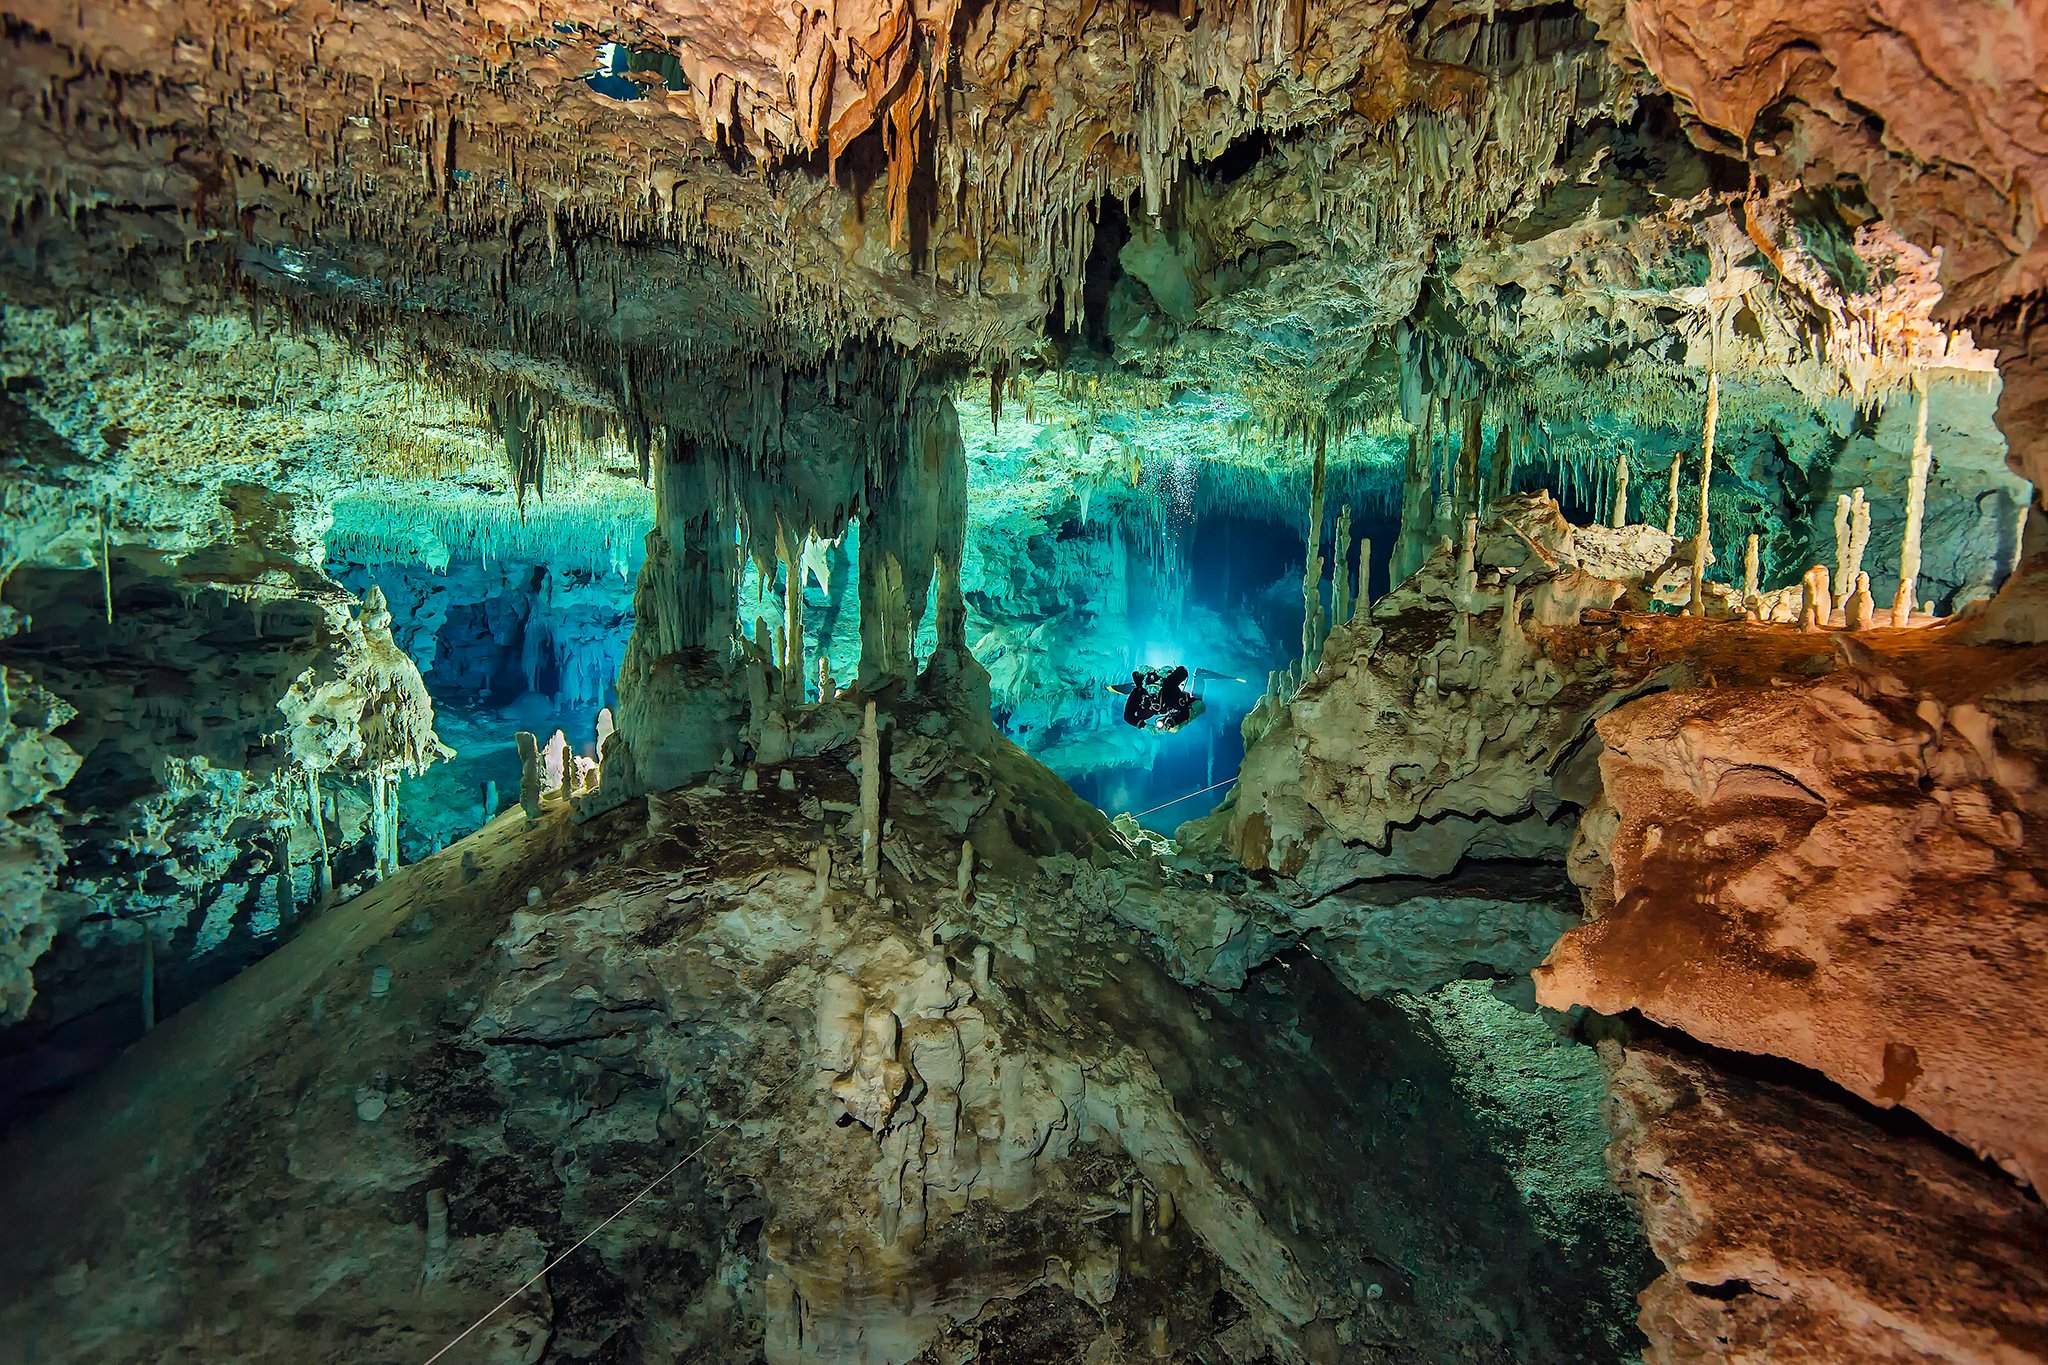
(1816, 606)
(531, 779)
(1794, 1227)
(1905, 599)
(1813, 936)
(371, 375)
(870, 797)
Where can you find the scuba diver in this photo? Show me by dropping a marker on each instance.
(1160, 697)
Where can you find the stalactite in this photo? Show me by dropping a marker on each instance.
(1312, 571)
(1506, 451)
(1619, 519)
(2023, 507)
(106, 565)
(1411, 547)
(1446, 510)
(1698, 605)
(1467, 496)
(1916, 507)
(792, 657)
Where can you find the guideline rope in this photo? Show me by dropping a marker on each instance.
(648, 1189)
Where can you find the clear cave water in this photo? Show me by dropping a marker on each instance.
(1589, 456)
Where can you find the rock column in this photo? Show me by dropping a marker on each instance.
(1698, 605)
(1916, 507)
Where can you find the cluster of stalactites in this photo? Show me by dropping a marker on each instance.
(1444, 482)
(713, 513)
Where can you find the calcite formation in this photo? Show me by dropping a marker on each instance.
(1837, 871)
(1493, 710)
(650, 356)
(889, 1128)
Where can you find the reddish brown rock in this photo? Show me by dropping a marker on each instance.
(1845, 873)
(1796, 1230)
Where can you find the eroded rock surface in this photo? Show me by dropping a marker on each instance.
(1801, 1228)
(1843, 872)
(904, 1118)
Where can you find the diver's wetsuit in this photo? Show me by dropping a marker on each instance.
(1159, 696)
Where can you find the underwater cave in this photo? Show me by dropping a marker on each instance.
(910, 685)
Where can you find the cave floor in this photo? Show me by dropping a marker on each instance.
(357, 1147)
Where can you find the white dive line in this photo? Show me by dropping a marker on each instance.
(649, 1189)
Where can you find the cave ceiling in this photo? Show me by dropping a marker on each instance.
(1315, 215)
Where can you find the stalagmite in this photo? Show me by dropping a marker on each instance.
(963, 879)
(1362, 601)
(1852, 534)
(606, 727)
(821, 873)
(529, 773)
(1815, 606)
(555, 764)
(1340, 574)
(1859, 532)
(377, 804)
(1700, 542)
(1749, 570)
(870, 798)
(1860, 612)
(1619, 519)
(826, 691)
(1510, 637)
(1916, 508)
(1671, 496)
(281, 860)
(324, 888)
(1468, 575)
